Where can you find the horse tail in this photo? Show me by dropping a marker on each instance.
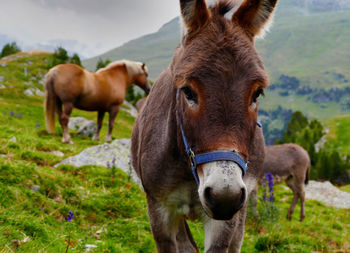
(50, 103)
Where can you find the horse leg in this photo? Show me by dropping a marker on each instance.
(64, 119)
(112, 114)
(100, 116)
(290, 183)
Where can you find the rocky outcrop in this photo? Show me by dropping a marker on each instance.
(328, 194)
(33, 92)
(118, 150)
(129, 108)
(83, 126)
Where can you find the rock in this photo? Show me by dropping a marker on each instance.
(13, 139)
(129, 108)
(328, 194)
(105, 153)
(35, 188)
(3, 156)
(57, 153)
(320, 144)
(29, 92)
(2, 78)
(90, 247)
(2, 86)
(4, 65)
(33, 91)
(83, 126)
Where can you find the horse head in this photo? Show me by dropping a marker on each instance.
(141, 79)
(219, 76)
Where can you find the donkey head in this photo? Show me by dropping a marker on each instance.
(219, 77)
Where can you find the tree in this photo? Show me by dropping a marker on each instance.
(75, 59)
(10, 48)
(102, 63)
(296, 124)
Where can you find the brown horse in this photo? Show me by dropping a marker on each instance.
(291, 163)
(198, 127)
(104, 91)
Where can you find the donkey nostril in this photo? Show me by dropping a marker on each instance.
(208, 195)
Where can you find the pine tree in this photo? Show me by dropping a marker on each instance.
(10, 48)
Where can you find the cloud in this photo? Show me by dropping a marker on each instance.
(93, 26)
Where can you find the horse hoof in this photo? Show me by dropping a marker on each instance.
(68, 141)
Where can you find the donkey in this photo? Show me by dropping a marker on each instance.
(104, 91)
(291, 163)
(197, 128)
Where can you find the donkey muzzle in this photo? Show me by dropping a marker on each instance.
(222, 191)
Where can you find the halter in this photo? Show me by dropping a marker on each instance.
(211, 156)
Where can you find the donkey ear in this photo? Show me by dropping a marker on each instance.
(143, 65)
(194, 14)
(253, 15)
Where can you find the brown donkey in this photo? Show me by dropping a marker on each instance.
(198, 128)
(104, 91)
(291, 163)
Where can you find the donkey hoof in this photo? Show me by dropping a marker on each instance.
(289, 217)
(302, 218)
(108, 139)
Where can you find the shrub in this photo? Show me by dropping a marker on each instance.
(102, 63)
(9, 48)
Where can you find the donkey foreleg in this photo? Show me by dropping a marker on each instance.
(112, 114)
(170, 232)
(100, 116)
(218, 235)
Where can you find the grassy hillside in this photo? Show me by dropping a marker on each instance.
(109, 210)
(339, 134)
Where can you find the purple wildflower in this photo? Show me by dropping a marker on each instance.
(264, 194)
(113, 161)
(108, 166)
(269, 180)
(70, 216)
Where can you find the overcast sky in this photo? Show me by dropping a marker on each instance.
(88, 27)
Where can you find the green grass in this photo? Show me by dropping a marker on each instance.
(110, 212)
(339, 134)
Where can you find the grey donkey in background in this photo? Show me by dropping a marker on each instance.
(289, 163)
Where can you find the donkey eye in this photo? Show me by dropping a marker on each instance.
(190, 95)
(257, 94)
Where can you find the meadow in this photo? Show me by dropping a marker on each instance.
(110, 211)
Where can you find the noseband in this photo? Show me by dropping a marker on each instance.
(211, 156)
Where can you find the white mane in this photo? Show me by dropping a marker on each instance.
(132, 67)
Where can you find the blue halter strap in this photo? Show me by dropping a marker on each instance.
(209, 157)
